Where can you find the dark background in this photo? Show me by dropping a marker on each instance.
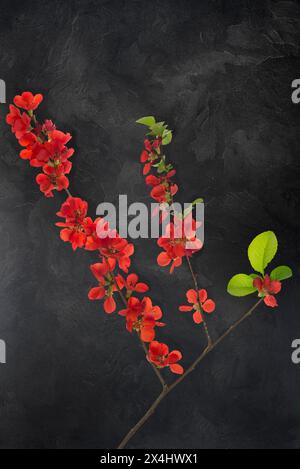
(220, 73)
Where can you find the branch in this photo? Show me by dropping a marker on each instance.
(170, 388)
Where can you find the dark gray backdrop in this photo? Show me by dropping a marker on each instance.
(220, 73)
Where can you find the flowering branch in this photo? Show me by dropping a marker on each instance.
(45, 147)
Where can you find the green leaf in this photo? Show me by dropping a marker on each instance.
(282, 272)
(147, 121)
(198, 201)
(167, 137)
(241, 285)
(157, 129)
(262, 250)
(189, 209)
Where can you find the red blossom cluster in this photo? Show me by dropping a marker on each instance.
(179, 240)
(267, 288)
(163, 188)
(44, 145)
(180, 237)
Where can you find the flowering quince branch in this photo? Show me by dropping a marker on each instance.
(183, 229)
(45, 147)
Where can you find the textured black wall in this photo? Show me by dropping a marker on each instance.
(220, 73)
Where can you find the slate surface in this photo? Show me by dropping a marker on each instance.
(220, 73)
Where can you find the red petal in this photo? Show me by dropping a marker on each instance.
(163, 259)
(203, 295)
(65, 234)
(192, 296)
(209, 306)
(99, 270)
(185, 308)
(147, 334)
(96, 293)
(258, 283)
(174, 356)
(275, 287)
(177, 369)
(141, 287)
(197, 317)
(144, 156)
(270, 301)
(146, 169)
(109, 305)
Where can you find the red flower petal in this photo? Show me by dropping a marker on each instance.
(197, 317)
(147, 169)
(163, 259)
(109, 305)
(177, 369)
(185, 308)
(270, 301)
(209, 306)
(203, 295)
(96, 293)
(174, 356)
(192, 296)
(141, 287)
(147, 334)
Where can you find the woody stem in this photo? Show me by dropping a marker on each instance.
(170, 388)
(209, 340)
(156, 370)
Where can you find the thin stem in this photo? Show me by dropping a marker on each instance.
(68, 192)
(156, 370)
(170, 388)
(209, 341)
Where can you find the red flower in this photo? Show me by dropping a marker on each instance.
(106, 288)
(54, 149)
(150, 154)
(52, 179)
(110, 244)
(74, 211)
(132, 284)
(160, 356)
(28, 101)
(20, 123)
(208, 306)
(175, 242)
(163, 188)
(142, 317)
(267, 288)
